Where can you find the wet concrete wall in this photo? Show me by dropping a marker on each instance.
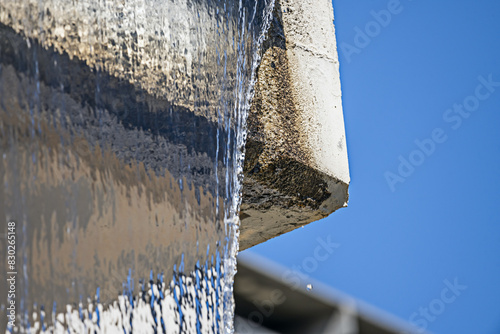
(83, 167)
(121, 133)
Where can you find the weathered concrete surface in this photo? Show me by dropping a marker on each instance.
(296, 168)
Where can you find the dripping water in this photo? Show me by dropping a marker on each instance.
(122, 161)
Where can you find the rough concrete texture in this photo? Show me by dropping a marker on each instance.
(296, 168)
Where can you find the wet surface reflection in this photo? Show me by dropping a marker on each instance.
(120, 130)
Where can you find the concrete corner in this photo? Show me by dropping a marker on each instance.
(296, 168)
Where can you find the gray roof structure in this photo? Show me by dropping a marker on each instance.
(268, 302)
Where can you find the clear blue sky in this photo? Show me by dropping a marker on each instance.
(409, 83)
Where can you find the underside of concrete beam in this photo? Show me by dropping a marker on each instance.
(296, 168)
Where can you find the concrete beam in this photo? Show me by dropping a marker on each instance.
(296, 168)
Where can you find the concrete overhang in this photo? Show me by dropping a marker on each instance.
(296, 168)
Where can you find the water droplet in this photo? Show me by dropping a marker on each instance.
(309, 287)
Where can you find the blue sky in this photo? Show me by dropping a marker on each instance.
(421, 98)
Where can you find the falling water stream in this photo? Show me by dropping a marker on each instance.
(122, 125)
